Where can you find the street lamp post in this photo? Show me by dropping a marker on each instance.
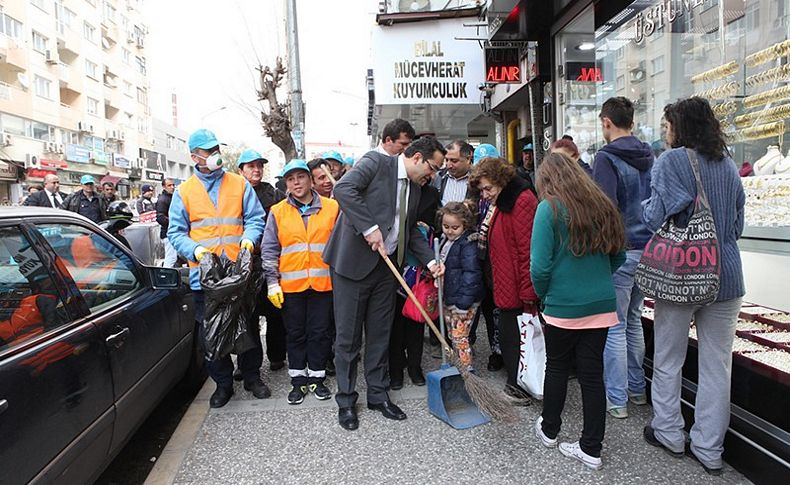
(211, 113)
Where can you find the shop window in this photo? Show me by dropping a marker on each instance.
(93, 106)
(10, 26)
(89, 32)
(42, 87)
(29, 303)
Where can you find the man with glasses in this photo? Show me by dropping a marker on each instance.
(215, 211)
(379, 200)
(163, 218)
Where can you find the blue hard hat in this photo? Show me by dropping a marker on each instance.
(87, 179)
(334, 155)
(349, 160)
(202, 138)
(250, 155)
(484, 150)
(295, 164)
(528, 146)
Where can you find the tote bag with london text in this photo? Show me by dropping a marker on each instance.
(680, 265)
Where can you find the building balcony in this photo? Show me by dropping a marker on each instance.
(68, 40)
(112, 97)
(12, 55)
(69, 116)
(110, 31)
(15, 101)
(70, 78)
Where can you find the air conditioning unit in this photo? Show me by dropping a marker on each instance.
(60, 148)
(49, 147)
(51, 57)
(31, 161)
(121, 135)
(112, 135)
(130, 37)
(6, 139)
(85, 127)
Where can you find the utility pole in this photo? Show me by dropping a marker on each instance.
(295, 79)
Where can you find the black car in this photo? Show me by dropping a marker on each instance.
(90, 341)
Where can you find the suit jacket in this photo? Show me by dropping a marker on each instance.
(367, 197)
(42, 199)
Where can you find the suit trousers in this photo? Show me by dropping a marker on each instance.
(363, 305)
(221, 370)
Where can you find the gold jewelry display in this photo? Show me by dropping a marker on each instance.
(767, 130)
(773, 74)
(725, 109)
(716, 73)
(759, 99)
(780, 49)
(722, 92)
(776, 113)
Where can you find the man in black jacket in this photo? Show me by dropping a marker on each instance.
(87, 202)
(51, 196)
(250, 165)
(162, 217)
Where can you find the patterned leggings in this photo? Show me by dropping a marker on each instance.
(460, 322)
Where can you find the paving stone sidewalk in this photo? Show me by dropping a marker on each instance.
(252, 441)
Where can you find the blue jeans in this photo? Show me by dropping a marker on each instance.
(625, 344)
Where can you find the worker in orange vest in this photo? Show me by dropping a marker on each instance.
(298, 280)
(215, 211)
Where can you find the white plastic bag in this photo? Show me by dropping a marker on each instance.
(532, 362)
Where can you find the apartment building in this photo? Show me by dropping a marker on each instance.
(73, 92)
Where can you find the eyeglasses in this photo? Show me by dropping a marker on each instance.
(434, 168)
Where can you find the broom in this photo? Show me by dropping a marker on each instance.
(492, 403)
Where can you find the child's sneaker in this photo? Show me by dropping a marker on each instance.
(297, 394)
(545, 440)
(573, 450)
(320, 391)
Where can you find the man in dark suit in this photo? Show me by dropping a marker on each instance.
(379, 201)
(51, 196)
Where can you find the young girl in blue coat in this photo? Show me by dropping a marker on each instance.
(463, 277)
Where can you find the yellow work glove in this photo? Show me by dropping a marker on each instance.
(247, 244)
(276, 296)
(200, 252)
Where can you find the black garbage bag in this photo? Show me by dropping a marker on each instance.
(226, 287)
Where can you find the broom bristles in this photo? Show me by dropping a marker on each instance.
(491, 402)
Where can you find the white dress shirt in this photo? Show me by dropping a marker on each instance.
(54, 198)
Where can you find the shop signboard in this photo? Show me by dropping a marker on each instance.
(101, 158)
(120, 161)
(583, 72)
(78, 153)
(154, 160)
(502, 65)
(37, 173)
(154, 175)
(8, 171)
(423, 63)
(43, 162)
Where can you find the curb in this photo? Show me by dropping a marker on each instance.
(169, 462)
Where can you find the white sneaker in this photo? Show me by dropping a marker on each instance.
(545, 440)
(572, 450)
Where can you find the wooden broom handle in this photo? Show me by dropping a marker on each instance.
(413, 298)
(328, 174)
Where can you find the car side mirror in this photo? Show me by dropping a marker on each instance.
(164, 278)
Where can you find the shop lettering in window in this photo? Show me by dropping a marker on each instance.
(648, 21)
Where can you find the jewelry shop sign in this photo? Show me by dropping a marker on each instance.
(423, 63)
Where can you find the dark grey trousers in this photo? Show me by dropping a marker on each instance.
(365, 305)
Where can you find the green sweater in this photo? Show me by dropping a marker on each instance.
(569, 286)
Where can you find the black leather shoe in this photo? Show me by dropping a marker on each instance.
(417, 377)
(388, 410)
(347, 417)
(258, 389)
(649, 434)
(276, 365)
(716, 472)
(220, 397)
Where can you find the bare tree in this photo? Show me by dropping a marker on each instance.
(276, 122)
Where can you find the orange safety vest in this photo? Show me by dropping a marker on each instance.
(218, 229)
(25, 322)
(301, 265)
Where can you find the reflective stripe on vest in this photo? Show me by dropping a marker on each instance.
(301, 265)
(217, 228)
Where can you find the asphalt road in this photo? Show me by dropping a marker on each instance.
(137, 458)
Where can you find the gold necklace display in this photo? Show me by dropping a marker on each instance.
(780, 49)
(765, 116)
(721, 92)
(717, 72)
(759, 132)
(725, 109)
(759, 99)
(774, 74)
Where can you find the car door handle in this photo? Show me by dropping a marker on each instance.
(184, 308)
(117, 339)
(3, 406)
